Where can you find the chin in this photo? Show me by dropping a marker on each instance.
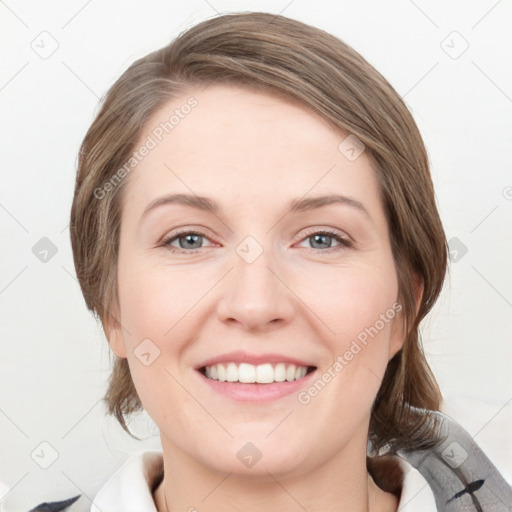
(269, 467)
(254, 456)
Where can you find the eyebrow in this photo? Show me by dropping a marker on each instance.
(295, 206)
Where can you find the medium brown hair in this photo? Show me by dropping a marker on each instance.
(288, 58)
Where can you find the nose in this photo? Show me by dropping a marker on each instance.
(255, 296)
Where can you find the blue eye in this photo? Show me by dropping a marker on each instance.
(187, 240)
(323, 240)
(320, 241)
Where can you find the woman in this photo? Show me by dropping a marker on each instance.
(254, 223)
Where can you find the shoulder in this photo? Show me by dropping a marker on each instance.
(416, 493)
(395, 475)
(456, 473)
(129, 489)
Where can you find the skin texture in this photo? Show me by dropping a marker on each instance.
(254, 153)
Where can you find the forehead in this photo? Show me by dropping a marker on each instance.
(241, 143)
(230, 117)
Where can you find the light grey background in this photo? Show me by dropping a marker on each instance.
(54, 360)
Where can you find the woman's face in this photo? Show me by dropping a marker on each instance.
(235, 264)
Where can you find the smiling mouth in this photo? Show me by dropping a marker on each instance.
(258, 374)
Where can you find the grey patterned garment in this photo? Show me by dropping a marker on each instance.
(460, 475)
(55, 506)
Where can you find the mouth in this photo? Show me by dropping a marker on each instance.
(255, 378)
(246, 373)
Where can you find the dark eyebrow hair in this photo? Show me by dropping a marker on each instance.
(295, 206)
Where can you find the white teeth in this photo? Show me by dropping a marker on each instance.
(280, 372)
(264, 374)
(246, 373)
(290, 373)
(231, 372)
(261, 374)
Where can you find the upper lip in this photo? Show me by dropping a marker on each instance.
(240, 356)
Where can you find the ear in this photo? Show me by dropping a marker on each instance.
(398, 333)
(114, 332)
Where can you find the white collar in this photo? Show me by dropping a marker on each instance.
(129, 489)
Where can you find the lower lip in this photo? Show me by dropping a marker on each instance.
(257, 392)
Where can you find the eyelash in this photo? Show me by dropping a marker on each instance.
(343, 243)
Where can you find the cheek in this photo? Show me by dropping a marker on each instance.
(155, 300)
(350, 300)
(151, 308)
(358, 308)
(153, 312)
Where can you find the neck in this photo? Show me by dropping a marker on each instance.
(342, 484)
